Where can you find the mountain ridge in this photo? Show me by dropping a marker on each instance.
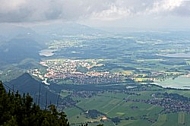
(27, 84)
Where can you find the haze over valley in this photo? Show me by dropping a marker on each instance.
(117, 63)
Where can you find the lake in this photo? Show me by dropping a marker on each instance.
(47, 52)
(182, 82)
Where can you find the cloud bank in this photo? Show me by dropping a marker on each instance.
(71, 10)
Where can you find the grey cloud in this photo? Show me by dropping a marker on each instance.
(18, 16)
(42, 10)
(183, 10)
(35, 10)
(137, 5)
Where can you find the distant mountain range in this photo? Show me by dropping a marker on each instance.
(42, 32)
(8, 32)
(61, 29)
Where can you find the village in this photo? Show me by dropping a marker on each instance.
(170, 102)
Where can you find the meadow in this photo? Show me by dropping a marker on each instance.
(113, 105)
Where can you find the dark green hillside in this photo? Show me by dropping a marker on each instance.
(26, 84)
(16, 50)
(19, 110)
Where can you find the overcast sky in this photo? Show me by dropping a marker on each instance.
(100, 13)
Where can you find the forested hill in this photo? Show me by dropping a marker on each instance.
(19, 110)
(37, 90)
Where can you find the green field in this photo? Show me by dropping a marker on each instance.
(131, 113)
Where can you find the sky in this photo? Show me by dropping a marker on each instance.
(144, 14)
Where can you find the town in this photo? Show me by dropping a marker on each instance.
(76, 72)
(93, 71)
